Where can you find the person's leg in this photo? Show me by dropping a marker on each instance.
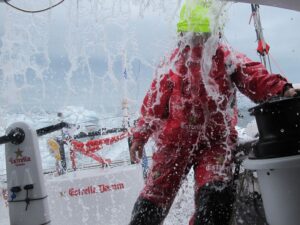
(147, 212)
(214, 192)
(170, 166)
(214, 204)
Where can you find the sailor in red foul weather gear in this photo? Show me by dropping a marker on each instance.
(190, 112)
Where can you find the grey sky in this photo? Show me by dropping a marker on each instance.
(280, 30)
(86, 46)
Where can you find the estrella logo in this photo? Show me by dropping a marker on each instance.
(20, 160)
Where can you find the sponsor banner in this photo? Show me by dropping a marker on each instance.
(89, 197)
(95, 189)
(97, 196)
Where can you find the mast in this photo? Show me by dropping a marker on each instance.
(125, 109)
(125, 102)
(262, 48)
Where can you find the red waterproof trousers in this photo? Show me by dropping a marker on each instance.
(171, 164)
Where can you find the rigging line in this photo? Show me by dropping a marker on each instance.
(277, 65)
(33, 11)
(269, 61)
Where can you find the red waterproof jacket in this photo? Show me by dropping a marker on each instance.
(189, 103)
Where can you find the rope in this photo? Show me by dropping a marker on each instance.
(31, 199)
(277, 65)
(32, 11)
(269, 61)
(27, 200)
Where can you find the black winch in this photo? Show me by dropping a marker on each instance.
(278, 123)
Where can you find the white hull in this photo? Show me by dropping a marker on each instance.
(88, 197)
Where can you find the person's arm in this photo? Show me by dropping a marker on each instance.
(254, 81)
(153, 110)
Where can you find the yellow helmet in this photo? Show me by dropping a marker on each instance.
(194, 17)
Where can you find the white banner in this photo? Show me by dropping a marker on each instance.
(88, 197)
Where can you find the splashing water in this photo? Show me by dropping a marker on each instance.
(76, 54)
(92, 54)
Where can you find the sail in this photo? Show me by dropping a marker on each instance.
(287, 4)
